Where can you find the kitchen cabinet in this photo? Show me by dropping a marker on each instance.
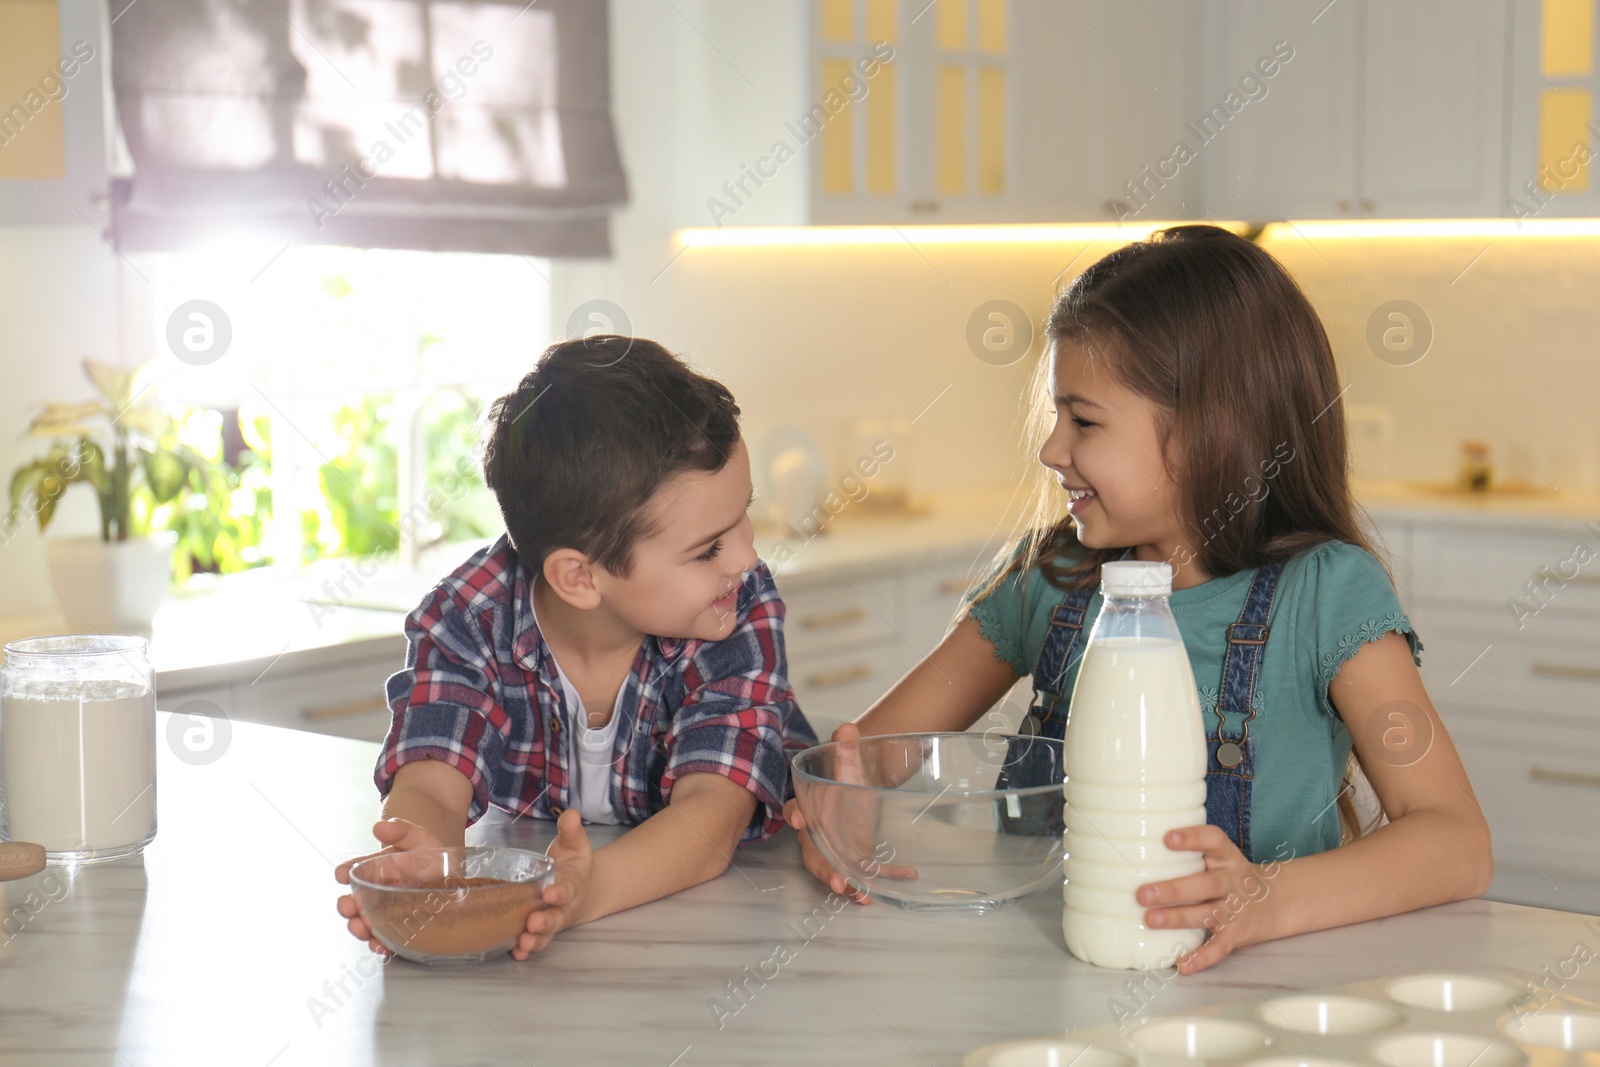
(995, 111)
(842, 638)
(79, 193)
(1385, 110)
(1433, 110)
(1511, 621)
(1256, 109)
(850, 638)
(931, 134)
(1292, 152)
(342, 700)
(1553, 130)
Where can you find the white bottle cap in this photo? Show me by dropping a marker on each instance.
(1136, 578)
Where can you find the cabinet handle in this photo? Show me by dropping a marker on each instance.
(844, 676)
(952, 586)
(1545, 774)
(1344, 207)
(1568, 671)
(1577, 579)
(327, 712)
(834, 619)
(1367, 206)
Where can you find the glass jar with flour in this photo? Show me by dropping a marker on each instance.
(78, 746)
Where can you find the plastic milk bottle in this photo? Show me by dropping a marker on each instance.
(1135, 769)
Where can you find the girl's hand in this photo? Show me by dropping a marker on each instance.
(564, 901)
(810, 855)
(854, 820)
(1229, 898)
(397, 835)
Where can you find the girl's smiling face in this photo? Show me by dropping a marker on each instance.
(1106, 451)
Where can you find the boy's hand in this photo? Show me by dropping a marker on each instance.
(564, 901)
(1231, 898)
(397, 835)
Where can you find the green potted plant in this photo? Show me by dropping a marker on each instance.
(121, 446)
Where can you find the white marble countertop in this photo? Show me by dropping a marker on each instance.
(949, 528)
(1543, 508)
(221, 946)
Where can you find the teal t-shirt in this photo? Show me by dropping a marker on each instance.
(1330, 601)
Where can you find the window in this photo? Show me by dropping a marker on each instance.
(436, 125)
(342, 388)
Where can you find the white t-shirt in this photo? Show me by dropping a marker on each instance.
(591, 769)
(593, 765)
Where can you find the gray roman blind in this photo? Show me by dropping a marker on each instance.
(468, 125)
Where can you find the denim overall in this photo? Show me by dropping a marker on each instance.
(1230, 750)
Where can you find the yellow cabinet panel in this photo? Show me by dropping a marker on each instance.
(32, 134)
(1567, 38)
(1563, 122)
(951, 131)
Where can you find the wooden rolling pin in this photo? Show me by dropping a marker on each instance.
(18, 859)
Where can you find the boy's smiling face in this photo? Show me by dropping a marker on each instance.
(686, 575)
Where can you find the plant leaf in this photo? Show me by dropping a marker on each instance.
(112, 382)
(145, 419)
(92, 460)
(67, 420)
(21, 481)
(52, 487)
(166, 474)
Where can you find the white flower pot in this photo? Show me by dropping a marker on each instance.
(110, 586)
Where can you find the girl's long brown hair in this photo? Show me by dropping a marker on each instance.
(1215, 332)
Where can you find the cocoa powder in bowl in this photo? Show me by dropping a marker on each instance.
(454, 904)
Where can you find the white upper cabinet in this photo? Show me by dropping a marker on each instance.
(915, 107)
(1002, 110)
(1554, 131)
(1108, 124)
(1433, 109)
(1381, 110)
(1035, 111)
(1281, 110)
(54, 131)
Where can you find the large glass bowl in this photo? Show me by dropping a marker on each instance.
(957, 821)
(451, 905)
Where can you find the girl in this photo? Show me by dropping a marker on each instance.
(1197, 420)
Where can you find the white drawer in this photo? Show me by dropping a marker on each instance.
(1550, 668)
(1517, 883)
(346, 701)
(1539, 787)
(1394, 538)
(931, 597)
(840, 615)
(836, 689)
(1492, 567)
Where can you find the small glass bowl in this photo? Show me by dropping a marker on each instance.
(451, 905)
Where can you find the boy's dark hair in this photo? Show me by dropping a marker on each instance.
(577, 450)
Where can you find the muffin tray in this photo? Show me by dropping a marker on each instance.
(1437, 1019)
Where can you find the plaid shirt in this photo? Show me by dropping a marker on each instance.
(480, 692)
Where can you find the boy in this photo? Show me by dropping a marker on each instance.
(618, 656)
